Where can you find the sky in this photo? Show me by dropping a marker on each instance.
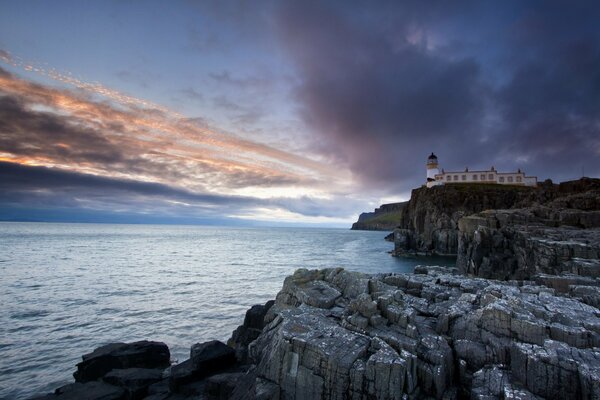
(284, 112)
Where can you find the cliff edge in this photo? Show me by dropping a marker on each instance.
(384, 218)
(429, 223)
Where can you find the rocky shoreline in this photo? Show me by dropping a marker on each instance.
(334, 334)
(517, 318)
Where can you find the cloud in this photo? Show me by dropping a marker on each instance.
(47, 126)
(243, 83)
(511, 85)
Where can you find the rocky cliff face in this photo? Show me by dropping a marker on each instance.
(384, 218)
(561, 237)
(334, 334)
(429, 222)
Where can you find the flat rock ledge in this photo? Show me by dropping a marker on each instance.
(335, 334)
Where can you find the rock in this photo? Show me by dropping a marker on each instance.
(210, 357)
(181, 374)
(437, 335)
(86, 391)
(134, 380)
(221, 386)
(143, 354)
(525, 245)
(254, 322)
(206, 359)
(432, 221)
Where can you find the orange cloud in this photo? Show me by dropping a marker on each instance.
(101, 131)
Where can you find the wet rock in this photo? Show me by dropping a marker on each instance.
(134, 380)
(206, 359)
(221, 386)
(210, 357)
(181, 374)
(143, 354)
(87, 391)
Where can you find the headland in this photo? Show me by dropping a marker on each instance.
(517, 318)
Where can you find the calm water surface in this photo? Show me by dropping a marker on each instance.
(68, 288)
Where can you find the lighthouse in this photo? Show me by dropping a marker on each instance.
(491, 176)
(432, 169)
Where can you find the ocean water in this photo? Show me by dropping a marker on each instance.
(66, 289)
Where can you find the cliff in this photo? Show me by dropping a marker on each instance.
(429, 221)
(384, 218)
(560, 237)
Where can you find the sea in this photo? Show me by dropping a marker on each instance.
(66, 289)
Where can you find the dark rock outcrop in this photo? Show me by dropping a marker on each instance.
(523, 243)
(135, 381)
(249, 330)
(384, 218)
(87, 391)
(143, 354)
(206, 359)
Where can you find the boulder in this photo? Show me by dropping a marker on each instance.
(86, 391)
(143, 354)
(254, 322)
(134, 380)
(206, 359)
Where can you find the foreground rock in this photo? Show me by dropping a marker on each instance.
(434, 334)
(334, 334)
(141, 370)
(142, 354)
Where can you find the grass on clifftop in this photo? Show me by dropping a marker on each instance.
(391, 218)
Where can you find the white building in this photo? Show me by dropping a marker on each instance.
(435, 177)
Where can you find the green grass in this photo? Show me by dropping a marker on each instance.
(387, 218)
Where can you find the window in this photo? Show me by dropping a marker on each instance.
(501, 179)
(510, 179)
(464, 177)
(474, 177)
(491, 177)
(483, 177)
(519, 179)
(455, 177)
(448, 177)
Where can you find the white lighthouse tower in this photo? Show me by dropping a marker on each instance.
(432, 170)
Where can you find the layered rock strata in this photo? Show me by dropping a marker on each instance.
(524, 243)
(334, 334)
(430, 221)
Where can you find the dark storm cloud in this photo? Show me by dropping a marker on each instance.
(16, 178)
(514, 84)
(28, 133)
